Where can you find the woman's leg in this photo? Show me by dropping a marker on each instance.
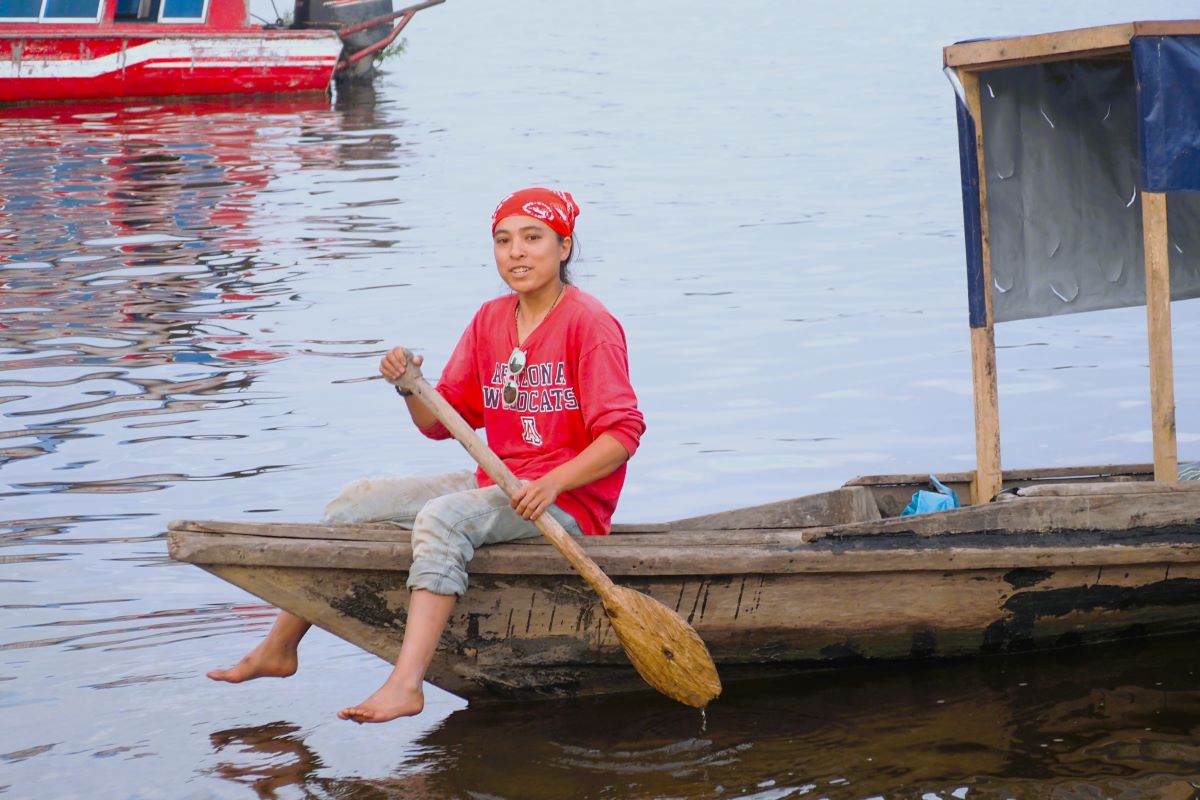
(445, 536)
(274, 657)
(364, 500)
(393, 499)
(402, 694)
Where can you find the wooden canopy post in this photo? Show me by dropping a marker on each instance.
(1158, 332)
(987, 481)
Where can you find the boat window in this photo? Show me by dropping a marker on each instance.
(183, 10)
(72, 10)
(20, 9)
(136, 11)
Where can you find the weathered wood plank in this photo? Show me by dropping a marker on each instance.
(706, 552)
(620, 562)
(841, 506)
(1102, 471)
(986, 482)
(1140, 487)
(529, 636)
(804, 511)
(1158, 330)
(1167, 27)
(1098, 42)
(641, 527)
(718, 607)
(1095, 42)
(1103, 512)
(362, 531)
(893, 492)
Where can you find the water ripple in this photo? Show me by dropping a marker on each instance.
(142, 630)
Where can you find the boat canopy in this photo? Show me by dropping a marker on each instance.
(1071, 144)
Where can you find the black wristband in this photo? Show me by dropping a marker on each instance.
(402, 392)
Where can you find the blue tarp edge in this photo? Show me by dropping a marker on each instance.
(972, 222)
(1166, 80)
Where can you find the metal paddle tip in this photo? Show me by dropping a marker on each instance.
(665, 650)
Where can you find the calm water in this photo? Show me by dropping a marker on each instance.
(194, 298)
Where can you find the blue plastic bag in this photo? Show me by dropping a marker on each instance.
(925, 501)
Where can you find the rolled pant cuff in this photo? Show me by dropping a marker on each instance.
(437, 583)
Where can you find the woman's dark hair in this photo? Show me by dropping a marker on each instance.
(564, 266)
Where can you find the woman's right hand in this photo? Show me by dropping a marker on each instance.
(394, 363)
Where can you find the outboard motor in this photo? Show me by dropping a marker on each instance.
(337, 14)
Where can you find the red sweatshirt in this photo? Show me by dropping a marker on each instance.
(575, 386)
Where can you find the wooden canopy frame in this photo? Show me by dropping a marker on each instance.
(967, 60)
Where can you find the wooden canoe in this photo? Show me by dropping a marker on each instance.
(1068, 557)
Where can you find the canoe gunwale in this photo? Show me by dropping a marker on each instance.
(1052, 524)
(222, 549)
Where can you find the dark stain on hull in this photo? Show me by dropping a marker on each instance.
(542, 683)
(1069, 639)
(1023, 578)
(1001, 538)
(924, 644)
(366, 603)
(842, 652)
(1019, 631)
(771, 651)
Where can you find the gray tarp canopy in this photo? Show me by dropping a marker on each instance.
(1064, 181)
(1080, 155)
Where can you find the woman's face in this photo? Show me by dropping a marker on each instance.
(528, 253)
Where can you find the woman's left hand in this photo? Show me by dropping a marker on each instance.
(533, 498)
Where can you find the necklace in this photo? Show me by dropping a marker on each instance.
(516, 361)
(517, 313)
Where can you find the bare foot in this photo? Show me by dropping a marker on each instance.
(389, 702)
(258, 663)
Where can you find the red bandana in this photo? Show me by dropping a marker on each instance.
(556, 209)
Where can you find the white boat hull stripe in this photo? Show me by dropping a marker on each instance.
(240, 52)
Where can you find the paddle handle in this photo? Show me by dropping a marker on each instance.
(413, 381)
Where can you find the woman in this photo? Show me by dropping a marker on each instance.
(545, 372)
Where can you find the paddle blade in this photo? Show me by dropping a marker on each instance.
(664, 649)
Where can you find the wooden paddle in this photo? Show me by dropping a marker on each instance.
(664, 649)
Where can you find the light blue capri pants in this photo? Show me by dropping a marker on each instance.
(450, 517)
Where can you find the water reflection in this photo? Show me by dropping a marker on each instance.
(143, 265)
(128, 255)
(135, 630)
(135, 264)
(278, 757)
(978, 729)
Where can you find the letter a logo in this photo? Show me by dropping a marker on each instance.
(529, 431)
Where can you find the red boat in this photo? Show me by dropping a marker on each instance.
(96, 49)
